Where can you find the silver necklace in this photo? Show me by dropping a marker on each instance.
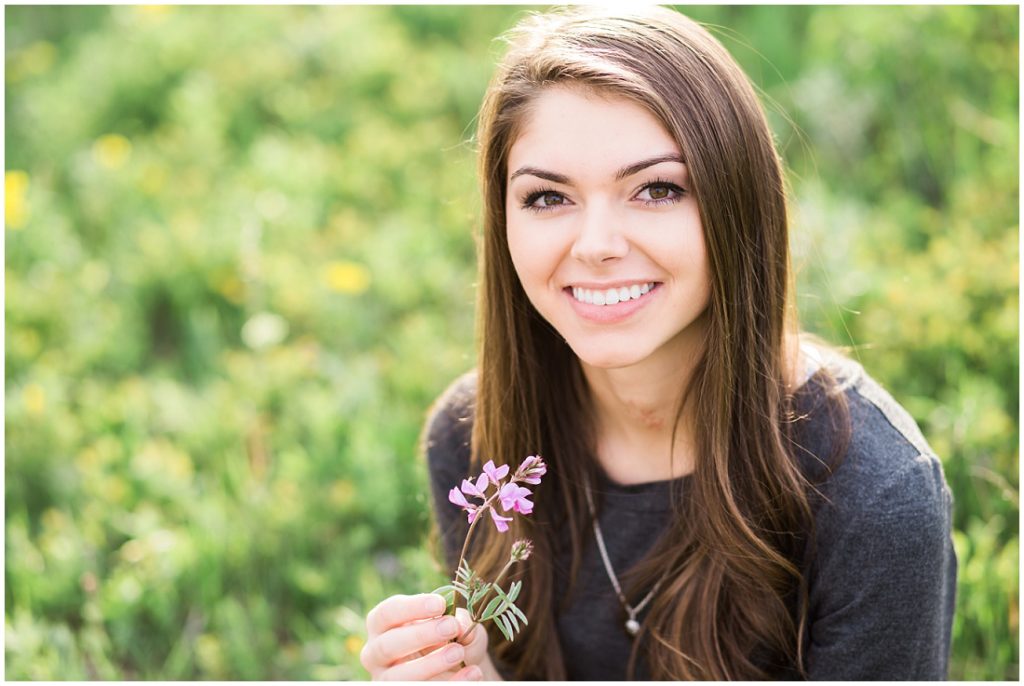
(632, 625)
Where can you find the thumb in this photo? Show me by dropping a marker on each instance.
(475, 640)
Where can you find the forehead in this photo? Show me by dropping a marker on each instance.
(569, 129)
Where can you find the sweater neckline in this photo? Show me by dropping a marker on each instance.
(648, 496)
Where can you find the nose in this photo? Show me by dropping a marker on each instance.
(599, 238)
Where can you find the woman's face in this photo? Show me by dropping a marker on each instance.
(603, 231)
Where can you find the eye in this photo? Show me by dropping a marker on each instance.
(544, 200)
(660, 192)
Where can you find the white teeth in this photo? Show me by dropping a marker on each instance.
(611, 296)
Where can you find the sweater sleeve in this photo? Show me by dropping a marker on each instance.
(446, 444)
(883, 583)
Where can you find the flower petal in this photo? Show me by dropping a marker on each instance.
(499, 521)
(496, 474)
(455, 497)
(470, 489)
(523, 506)
(481, 484)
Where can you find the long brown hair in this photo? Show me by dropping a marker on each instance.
(731, 548)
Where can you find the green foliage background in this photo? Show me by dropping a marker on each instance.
(240, 266)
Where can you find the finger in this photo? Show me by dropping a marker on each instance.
(417, 637)
(448, 675)
(402, 609)
(475, 640)
(476, 648)
(428, 667)
(470, 673)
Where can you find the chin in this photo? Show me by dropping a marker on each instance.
(608, 356)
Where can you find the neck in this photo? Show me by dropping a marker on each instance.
(636, 413)
(636, 409)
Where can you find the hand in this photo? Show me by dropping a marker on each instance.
(409, 639)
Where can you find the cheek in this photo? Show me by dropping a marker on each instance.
(534, 254)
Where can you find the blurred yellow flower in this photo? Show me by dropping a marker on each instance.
(16, 205)
(35, 399)
(210, 656)
(54, 520)
(113, 489)
(347, 277)
(232, 288)
(34, 60)
(152, 180)
(89, 459)
(153, 10)
(341, 492)
(353, 644)
(112, 150)
(26, 342)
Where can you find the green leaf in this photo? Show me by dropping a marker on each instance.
(477, 596)
(513, 592)
(505, 602)
(510, 617)
(491, 608)
(464, 573)
(505, 631)
(448, 592)
(519, 613)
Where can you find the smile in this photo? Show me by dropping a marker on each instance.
(612, 296)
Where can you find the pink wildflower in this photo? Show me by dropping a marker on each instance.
(513, 497)
(455, 497)
(477, 489)
(531, 470)
(495, 474)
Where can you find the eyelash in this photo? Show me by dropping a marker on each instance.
(531, 198)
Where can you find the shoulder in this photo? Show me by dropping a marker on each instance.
(448, 429)
(888, 481)
(882, 569)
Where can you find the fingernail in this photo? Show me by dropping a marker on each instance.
(447, 627)
(474, 674)
(453, 653)
(434, 604)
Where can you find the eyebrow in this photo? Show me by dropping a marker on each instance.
(622, 173)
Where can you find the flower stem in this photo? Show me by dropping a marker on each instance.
(483, 601)
(469, 534)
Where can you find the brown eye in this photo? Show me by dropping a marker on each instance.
(540, 201)
(658, 192)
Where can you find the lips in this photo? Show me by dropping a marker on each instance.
(612, 296)
(607, 305)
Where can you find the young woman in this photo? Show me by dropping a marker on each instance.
(724, 499)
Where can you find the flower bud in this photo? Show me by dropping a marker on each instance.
(531, 470)
(521, 549)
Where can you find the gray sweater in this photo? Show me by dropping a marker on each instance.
(882, 583)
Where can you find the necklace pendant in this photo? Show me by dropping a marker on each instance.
(632, 626)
